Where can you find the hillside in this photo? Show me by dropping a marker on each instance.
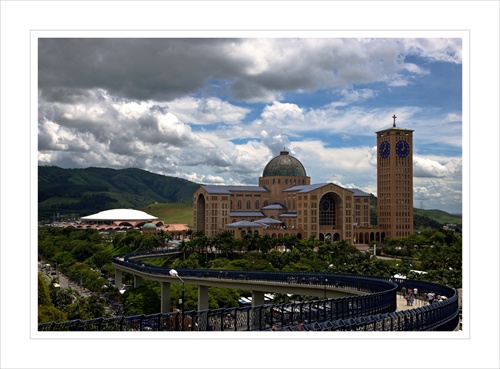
(439, 216)
(171, 212)
(78, 192)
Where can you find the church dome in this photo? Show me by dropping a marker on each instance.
(284, 165)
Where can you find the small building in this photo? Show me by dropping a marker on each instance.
(149, 228)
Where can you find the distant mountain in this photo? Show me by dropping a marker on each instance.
(436, 219)
(73, 193)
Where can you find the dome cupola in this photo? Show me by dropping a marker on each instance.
(284, 165)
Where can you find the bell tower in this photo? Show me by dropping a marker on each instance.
(395, 181)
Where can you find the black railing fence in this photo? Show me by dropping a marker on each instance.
(375, 310)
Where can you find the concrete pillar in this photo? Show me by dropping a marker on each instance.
(165, 297)
(137, 281)
(202, 298)
(257, 298)
(118, 278)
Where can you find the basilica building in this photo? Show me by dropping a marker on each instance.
(285, 203)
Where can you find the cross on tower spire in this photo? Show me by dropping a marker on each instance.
(394, 117)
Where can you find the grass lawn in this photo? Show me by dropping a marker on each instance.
(172, 212)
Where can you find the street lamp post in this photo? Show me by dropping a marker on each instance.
(174, 273)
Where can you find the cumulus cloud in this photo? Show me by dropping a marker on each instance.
(437, 194)
(275, 142)
(210, 110)
(423, 167)
(436, 49)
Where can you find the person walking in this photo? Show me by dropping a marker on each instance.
(412, 298)
(430, 297)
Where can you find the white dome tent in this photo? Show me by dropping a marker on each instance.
(119, 214)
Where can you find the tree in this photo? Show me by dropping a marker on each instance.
(100, 258)
(132, 239)
(277, 259)
(185, 247)
(144, 299)
(220, 263)
(64, 259)
(224, 243)
(222, 298)
(47, 312)
(86, 308)
(62, 297)
(192, 262)
(150, 242)
(43, 292)
(266, 243)
(82, 250)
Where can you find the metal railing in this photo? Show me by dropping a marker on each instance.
(373, 311)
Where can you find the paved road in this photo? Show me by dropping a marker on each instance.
(48, 274)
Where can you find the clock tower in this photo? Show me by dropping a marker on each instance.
(395, 181)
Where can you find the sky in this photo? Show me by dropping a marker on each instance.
(216, 110)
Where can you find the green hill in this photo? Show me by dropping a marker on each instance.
(73, 193)
(440, 216)
(172, 212)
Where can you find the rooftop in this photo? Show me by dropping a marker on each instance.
(120, 214)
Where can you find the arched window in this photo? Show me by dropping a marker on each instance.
(327, 211)
(257, 204)
(248, 205)
(239, 204)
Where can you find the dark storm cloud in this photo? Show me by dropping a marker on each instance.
(164, 69)
(160, 69)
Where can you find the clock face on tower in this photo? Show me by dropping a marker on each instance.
(384, 149)
(402, 148)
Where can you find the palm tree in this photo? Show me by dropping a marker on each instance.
(185, 247)
(223, 242)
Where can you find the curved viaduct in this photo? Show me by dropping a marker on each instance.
(312, 284)
(346, 302)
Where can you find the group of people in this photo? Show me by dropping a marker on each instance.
(411, 294)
